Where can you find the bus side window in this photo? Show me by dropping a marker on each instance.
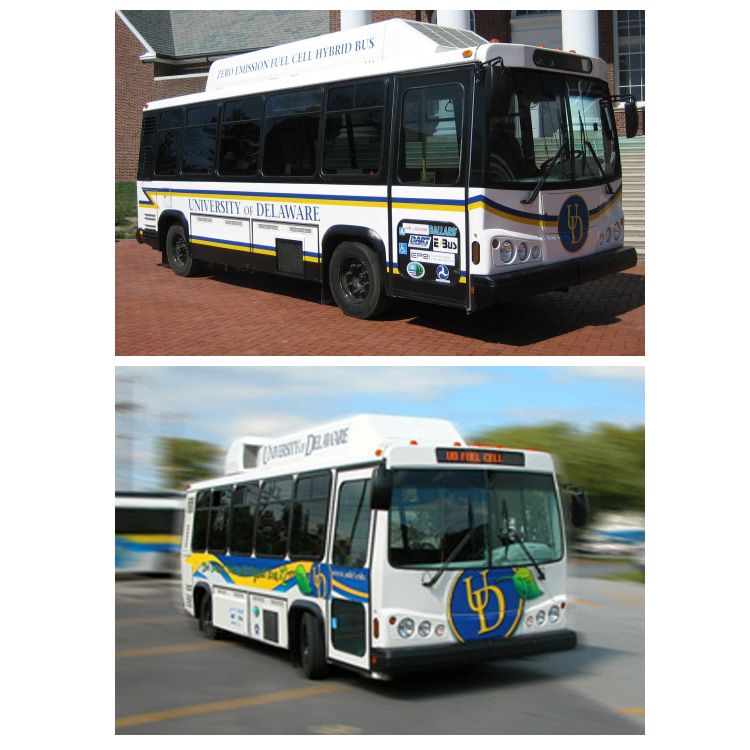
(309, 514)
(240, 136)
(200, 521)
(219, 520)
(242, 524)
(352, 524)
(169, 138)
(199, 140)
(272, 521)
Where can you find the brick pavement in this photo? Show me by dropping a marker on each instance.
(233, 314)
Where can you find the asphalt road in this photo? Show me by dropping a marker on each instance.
(169, 680)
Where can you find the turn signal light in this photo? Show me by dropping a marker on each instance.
(475, 252)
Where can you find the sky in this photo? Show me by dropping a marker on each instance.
(219, 404)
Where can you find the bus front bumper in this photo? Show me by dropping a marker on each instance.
(514, 285)
(395, 660)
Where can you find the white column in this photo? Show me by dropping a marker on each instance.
(454, 19)
(580, 31)
(350, 19)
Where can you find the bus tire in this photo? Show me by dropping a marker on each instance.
(179, 255)
(206, 620)
(312, 648)
(357, 280)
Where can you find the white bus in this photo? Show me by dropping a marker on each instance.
(380, 544)
(396, 160)
(148, 528)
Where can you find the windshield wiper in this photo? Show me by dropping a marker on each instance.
(506, 535)
(453, 555)
(550, 163)
(588, 145)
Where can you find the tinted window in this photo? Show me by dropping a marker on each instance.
(199, 140)
(240, 136)
(430, 141)
(272, 519)
(200, 521)
(291, 134)
(309, 515)
(219, 523)
(244, 503)
(352, 524)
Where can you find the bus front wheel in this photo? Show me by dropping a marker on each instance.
(179, 255)
(357, 282)
(206, 620)
(312, 648)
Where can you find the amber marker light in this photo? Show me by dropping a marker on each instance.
(468, 53)
(376, 628)
(475, 254)
(378, 452)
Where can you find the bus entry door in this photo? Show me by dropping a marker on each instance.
(429, 257)
(348, 600)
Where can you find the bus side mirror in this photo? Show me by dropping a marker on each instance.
(579, 509)
(631, 119)
(382, 487)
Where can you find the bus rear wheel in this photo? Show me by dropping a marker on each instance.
(179, 255)
(357, 282)
(312, 648)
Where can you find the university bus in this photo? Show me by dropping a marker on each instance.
(396, 160)
(380, 544)
(148, 528)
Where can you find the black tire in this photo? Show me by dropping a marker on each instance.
(179, 255)
(206, 620)
(357, 280)
(312, 648)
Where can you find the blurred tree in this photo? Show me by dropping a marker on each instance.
(182, 461)
(607, 462)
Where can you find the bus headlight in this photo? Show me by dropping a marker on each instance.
(506, 251)
(616, 230)
(406, 627)
(440, 630)
(523, 252)
(424, 629)
(541, 617)
(529, 621)
(536, 252)
(554, 614)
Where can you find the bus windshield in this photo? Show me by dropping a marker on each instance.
(534, 117)
(435, 512)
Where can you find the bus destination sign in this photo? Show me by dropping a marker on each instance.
(479, 456)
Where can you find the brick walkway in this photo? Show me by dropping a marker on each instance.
(232, 314)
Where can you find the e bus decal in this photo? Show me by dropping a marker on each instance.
(429, 252)
(573, 223)
(489, 603)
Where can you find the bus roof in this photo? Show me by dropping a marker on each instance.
(375, 49)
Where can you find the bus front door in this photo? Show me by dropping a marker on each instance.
(429, 255)
(348, 599)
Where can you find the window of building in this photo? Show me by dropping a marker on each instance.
(630, 32)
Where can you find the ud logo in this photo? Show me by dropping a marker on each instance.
(484, 604)
(573, 223)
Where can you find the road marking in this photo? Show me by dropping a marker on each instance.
(335, 729)
(150, 620)
(179, 648)
(632, 711)
(229, 705)
(629, 597)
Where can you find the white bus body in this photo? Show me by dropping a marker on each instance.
(381, 544)
(396, 160)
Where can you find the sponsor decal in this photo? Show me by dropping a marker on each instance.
(420, 240)
(573, 223)
(442, 274)
(435, 258)
(416, 228)
(415, 270)
(445, 244)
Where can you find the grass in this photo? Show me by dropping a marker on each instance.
(636, 575)
(126, 211)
